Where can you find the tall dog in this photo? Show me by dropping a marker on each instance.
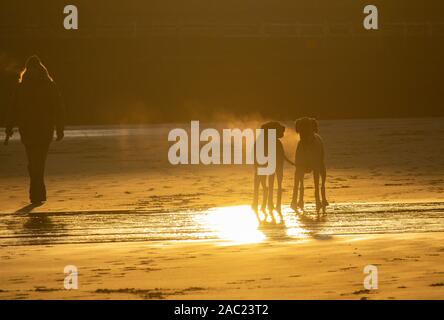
(309, 158)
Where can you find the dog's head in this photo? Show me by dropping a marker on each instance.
(306, 126)
(280, 129)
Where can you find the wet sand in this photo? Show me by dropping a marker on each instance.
(410, 267)
(235, 224)
(137, 227)
(111, 168)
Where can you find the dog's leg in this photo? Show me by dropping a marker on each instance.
(323, 181)
(279, 176)
(270, 193)
(301, 203)
(316, 185)
(256, 191)
(263, 182)
(294, 201)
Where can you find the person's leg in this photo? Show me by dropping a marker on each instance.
(41, 154)
(33, 176)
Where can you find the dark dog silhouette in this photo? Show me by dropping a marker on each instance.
(268, 191)
(309, 158)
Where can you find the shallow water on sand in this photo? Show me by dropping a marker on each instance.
(405, 154)
(235, 225)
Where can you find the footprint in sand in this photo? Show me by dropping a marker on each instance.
(439, 284)
(361, 292)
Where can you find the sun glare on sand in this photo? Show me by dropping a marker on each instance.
(239, 225)
(234, 224)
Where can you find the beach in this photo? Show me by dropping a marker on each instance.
(139, 228)
(410, 267)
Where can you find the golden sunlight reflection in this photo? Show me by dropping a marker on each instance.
(240, 225)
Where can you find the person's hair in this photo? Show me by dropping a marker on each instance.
(34, 69)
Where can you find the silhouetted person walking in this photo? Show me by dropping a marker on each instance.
(37, 111)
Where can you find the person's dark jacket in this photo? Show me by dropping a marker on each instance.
(37, 110)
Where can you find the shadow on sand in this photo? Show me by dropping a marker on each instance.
(29, 208)
(33, 227)
(313, 224)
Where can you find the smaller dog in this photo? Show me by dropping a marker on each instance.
(268, 191)
(309, 157)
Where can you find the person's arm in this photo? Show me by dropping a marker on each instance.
(59, 113)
